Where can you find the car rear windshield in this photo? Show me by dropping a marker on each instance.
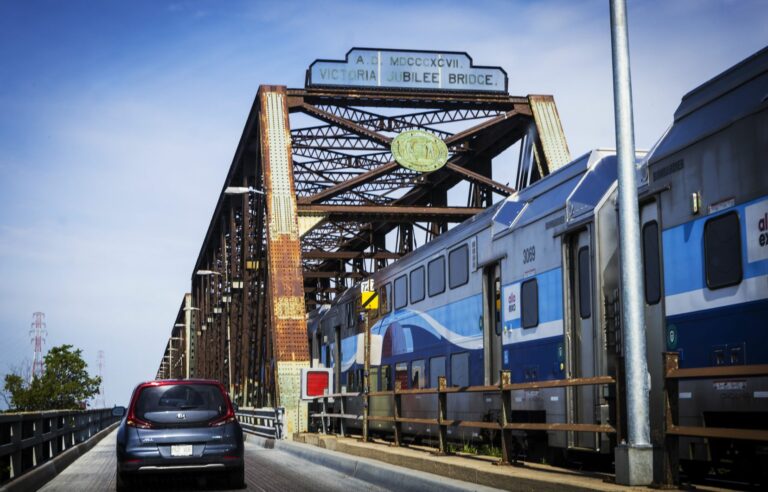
(198, 402)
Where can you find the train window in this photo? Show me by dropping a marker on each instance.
(722, 251)
(373, 379)
(401, 292)
(386, 378)
(418, 374)
(436, 270)
(585, 286)
(529, 294)
(401, 374)
(460, 369)
(458, 267)
(385, 295)
(651, 262)
(417, 285)
(436, 369)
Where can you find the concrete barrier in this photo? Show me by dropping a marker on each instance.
(372, 471)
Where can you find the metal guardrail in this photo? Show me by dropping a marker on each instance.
(29, 439)
(505, 424)
(672, 431)
(264, 422)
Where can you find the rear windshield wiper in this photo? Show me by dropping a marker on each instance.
(188, 407)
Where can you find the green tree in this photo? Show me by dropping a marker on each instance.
(65, 383)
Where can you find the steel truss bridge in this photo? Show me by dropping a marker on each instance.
(314, 202)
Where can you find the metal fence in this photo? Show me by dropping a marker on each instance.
(506, 424)
(264, 422)
(28, 440)
(672, 377)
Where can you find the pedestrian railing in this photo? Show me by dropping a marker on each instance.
(673, 374)
(505, 423)
(265, 422)
(29, 439)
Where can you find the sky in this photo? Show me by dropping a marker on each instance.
(118, 122)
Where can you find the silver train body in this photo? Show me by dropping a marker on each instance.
(532, 286)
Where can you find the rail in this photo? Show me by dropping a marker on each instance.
(29, 439)
(673, 374)
(505, 424)
(265, 422)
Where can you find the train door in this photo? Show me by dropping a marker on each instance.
(656, 336)
(492, 329)
(581, 338)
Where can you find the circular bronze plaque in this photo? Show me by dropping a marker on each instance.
(419, 151)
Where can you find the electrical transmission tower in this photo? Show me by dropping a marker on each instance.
(100, 402)
(37, 336)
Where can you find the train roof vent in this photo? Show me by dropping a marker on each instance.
(506, 215)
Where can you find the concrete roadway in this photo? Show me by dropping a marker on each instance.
(265, 470)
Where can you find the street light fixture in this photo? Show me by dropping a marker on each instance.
(206, 272)
(241, 190)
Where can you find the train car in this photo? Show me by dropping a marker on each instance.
(532, 286)
(488, 296)
(704, 223)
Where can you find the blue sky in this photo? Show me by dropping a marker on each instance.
(118, 121)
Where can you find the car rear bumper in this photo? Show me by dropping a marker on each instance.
(155, 465)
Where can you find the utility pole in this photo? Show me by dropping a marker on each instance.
(634, 460)
(37, 333)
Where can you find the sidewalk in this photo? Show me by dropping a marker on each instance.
(473, 469)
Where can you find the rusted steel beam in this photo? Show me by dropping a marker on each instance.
(481, 127)
(480, 179)
(390, 98)
(287, 313)
(392, 213)
(719, 372)
(348, 125)
(720, 433)
(348, 255)
(360, 179)
(560, 383)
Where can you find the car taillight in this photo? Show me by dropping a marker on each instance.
(133, 421)
(229, 417)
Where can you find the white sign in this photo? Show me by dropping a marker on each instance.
(511, 303)
(367, 285)
(407, 69)
(757, 231)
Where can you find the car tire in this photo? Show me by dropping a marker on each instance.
(123, 482)
(236, 478)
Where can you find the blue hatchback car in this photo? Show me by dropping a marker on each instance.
(179, 426)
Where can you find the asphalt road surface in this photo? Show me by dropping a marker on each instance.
(265, 469)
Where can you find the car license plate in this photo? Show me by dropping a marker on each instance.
(181, 450)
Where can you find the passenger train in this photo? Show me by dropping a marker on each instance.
(532, 286)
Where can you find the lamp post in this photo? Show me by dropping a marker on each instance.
(634, 460)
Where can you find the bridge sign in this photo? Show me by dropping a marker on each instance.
(407, 69)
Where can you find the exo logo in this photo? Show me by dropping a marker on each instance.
(756, 221)
(762, 226)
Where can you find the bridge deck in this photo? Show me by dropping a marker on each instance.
(265, 470)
